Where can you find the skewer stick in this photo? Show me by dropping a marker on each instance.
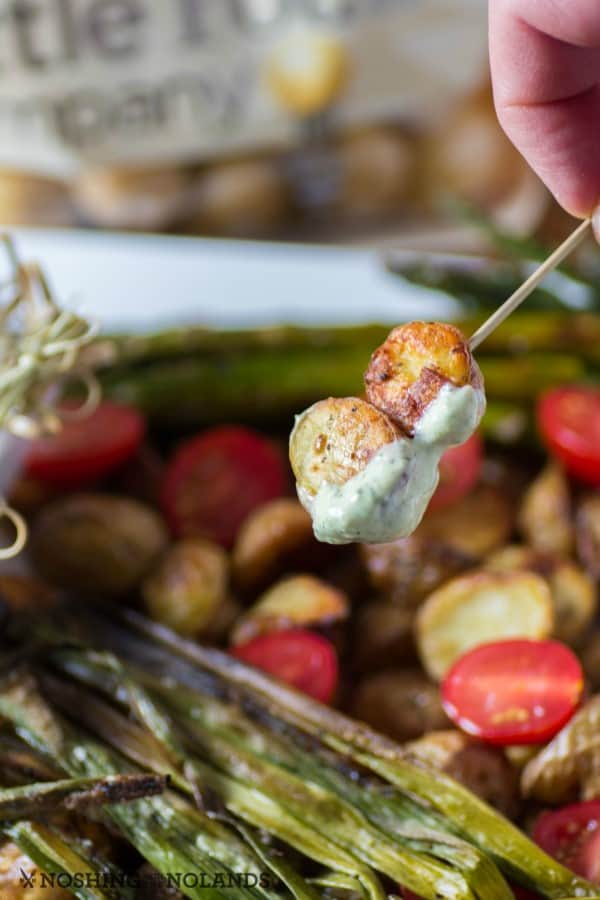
(527, 288)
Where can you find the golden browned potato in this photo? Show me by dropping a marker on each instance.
(376, 172)
(188, 586)
(307, 70)
(447, 542)
(271, 537)
(569, 766)
(29, 200)
(300, 601)
(146, 199)
(335, 439)
(477, 608)
(15, 870)
(383, 636)
(573, 592)
(246, 197)
(100, 544)
(401, 703)
(482, 769)
(412, 366)
(587, 532)
(545, 516)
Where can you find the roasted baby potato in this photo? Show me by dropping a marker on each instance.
(377, 168)
(573, 592)
(22, 593)
(481, 768)
(545, 515)
(300, 601)
(447, 542)
(410, 368)
(144, 199)
(188, 586)
(271, 538)
(401, 703)
(335, 439)
(245, 197)
(100, 544)
(569, 766)
(590, 659)
(383, 636)
(477, 608)
(587, 531)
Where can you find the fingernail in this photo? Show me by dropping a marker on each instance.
(596, 223)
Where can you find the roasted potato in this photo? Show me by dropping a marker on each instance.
(100, 544)
(306, 70)
(587, 524)
(573, 592)
(300, 601)
(401, 703)
(270, 541)
(246, 197)
(15, 871)
(28, 200)
(382, 636)
(545, 516)
(143, 199)
(447, 542)
(569, 766)
(376, 172)
(335, 439)
(481, 768)
(188, 586)
(410, 368)
(477, 608)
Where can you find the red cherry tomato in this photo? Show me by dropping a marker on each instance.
(301, 658)
(569, 421)
(572, 836)
(514, 692)
(215, 480)
(87, 448)
(460, 468)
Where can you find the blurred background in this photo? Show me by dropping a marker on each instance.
(366, 122)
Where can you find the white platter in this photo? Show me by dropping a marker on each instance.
(140, 283)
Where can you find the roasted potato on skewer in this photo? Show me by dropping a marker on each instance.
(411, 367)
(478, 608)
(335, 439)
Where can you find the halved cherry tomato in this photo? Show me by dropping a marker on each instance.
(87, 448)
(514, 692)
(216, 480)
(460, 468)
(301, 658)
(569, 421)
(572, 836)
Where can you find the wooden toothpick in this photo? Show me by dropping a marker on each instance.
(530, 285)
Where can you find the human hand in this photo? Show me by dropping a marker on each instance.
(545, 58)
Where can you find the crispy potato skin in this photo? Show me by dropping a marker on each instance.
(411, 367)
(482, 769)
(545, 515)
(335, 439)
(587, 525)
(401, 703)
(267, 541)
